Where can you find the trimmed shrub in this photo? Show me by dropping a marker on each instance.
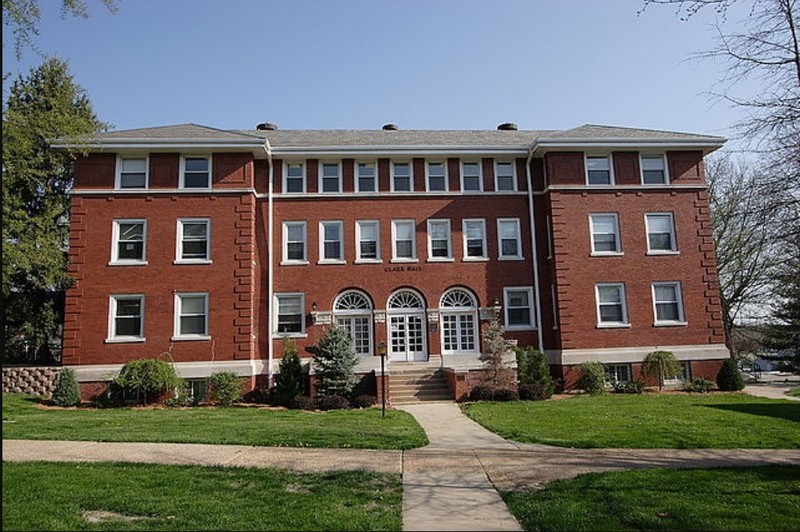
(729, 379)
(67, 392)
(660, 365)
(289, 380)
(335, 362)
(698, 385)
(303, 402)
(532, 368)
(260, 395)
(505, 394)
(534, 392)
(148, 378)
(365, 401)
(333, 402)
(225, 387)
(591, 377)
(636, 386)
(481, 393)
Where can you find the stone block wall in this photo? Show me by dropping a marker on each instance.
(31, 380)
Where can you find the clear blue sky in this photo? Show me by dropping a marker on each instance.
(422, 64)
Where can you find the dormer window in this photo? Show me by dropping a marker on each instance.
(654, 170)
(132, 172)
(598, 170)
(196, 172)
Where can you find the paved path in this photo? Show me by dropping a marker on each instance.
(774, 387)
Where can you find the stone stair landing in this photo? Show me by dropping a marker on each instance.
(418, 383)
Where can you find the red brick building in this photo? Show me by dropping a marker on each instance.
(592, 243)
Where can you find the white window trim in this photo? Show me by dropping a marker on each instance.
(322, 259)
(376, 260)
(531, 306)
(672, 234)
(681, 321)
(177, 336)
(500, 255)
(285, 257)
(625, 323)
(513, 177)
(449, 257)
(179, 241)
(485, 256)
(663, 156)
(112, 337)
(276, 310)
(321, 171)
(618, 252)
(285, 171)
(410, 177)
(357, 184)
(413, 257)
(115, 260)
(181, 179)
(479, 164)
(428, 175)
(118, 172)
(609, 158)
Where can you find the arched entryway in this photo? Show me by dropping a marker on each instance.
(406, 316)
(352, 310)
(458, 313)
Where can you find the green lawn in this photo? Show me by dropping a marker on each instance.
(759, 498)
(681, 421)
(794, 393)
(24, 418)
(64, 496)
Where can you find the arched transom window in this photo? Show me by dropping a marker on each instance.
(352, 300)
(458, 298)
(353, 311)
(406, 310)
(459, 317)
(406, 300)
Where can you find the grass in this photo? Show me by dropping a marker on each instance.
(24, 418)
(794, 393)
(758, 498)
(56, 496)
(655, 421)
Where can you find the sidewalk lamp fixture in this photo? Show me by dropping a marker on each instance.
(382, 354)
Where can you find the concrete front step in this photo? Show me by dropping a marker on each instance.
(413, 385)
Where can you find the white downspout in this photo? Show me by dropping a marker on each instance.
(271, 266)
(534, 253)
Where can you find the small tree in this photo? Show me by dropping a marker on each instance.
(591, 377)
(289, 380)
(533, 371)
(148, 378)
(660, 365)
(67, 392)
(729, 379)
(496, 373)
(225, 387)
(334, 363)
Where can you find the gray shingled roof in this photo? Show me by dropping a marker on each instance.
(403, 137)
(180, 131)
(594, 131)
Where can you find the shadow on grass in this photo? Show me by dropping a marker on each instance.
(788, 411)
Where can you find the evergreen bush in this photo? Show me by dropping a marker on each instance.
(636, 387)
(335, 362)
(533, 369)
(148, 378)
(729, 379)
(67, 392)
(365, 401)
(534, 392)
(225, 387)
(289, 380)
(660, 365)
(303, 402)
(591, 377)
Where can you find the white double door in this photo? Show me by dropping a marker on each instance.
(407, 337)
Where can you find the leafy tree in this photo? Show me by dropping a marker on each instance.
(148, 378)
(660, 365)
(335, 362)
(729, 379)
(497, 374)
(289, 380)
(591, 378)
(42, 106)
(533, 372)
(67, 392)
(225, 387)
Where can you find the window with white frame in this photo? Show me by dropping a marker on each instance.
(368, 245)
(518, 303)
(684, 375)
(289, 309)
(353, 311)
(294, 243)
(404, 242)
(505, 178)
(194, 240)
(618, 372)
(654, 169)
(474, 232)
(436, 177)
(126, 321)
(598, 170)
(401, 177)
(366, 178)
(660, 232)
(612, 308)
(331, 247)
(509, 243)
(197, 390)
(605, 234)
(132, 172)
(330, 178)
(294, 178)
(458, 312)
(191, 316)
(195, 172)
(471, 178)
(130, 242)
(439, 244)
(668, 303)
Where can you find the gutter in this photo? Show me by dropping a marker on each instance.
(271, 261)
(534, 252)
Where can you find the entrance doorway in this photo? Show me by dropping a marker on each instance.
(406, 316)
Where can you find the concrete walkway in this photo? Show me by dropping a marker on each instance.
(773, 386)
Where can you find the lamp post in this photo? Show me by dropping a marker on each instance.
(382, 354)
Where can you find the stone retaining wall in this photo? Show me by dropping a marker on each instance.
(32, 380)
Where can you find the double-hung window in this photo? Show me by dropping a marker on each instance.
(368, 245)
(439, 244)
(195, 172)
(366, 178)
(191, 316)
(294, 243)
(126, 323)
(598, 170)
(605, 234)
(518, 307)
(668, 303)
(505, 179)
(331, 178)
(436, 177)
(612, 309)
(129, 242)
(509, 243)
(471, 178)
(618, 372)
(654, 169)
(401, 177)
(404, 243)
(289, 310)
(660, 233)
(194, 238)
(331, 248)
(474, 232)
(132, 172)
(294, 179)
